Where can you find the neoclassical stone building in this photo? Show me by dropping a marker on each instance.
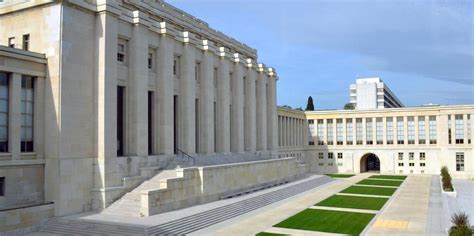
(119, 88)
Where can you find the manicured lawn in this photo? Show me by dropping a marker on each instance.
(369, 190)
(368, 203)
(400, 177)
(269, 234)
(328, 221)
(380, 182)
(340, 175)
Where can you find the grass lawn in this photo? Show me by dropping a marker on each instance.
(380, 182)
(328, 221)
(368, 203)
(269, 234)
(340, 175)
(369, 190)
(400, 177)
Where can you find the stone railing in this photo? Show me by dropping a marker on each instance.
(199, 185)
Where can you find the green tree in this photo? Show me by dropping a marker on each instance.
(349, 106)
(310, 105)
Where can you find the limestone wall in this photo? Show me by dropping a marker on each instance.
(25, 219)
(205, 184)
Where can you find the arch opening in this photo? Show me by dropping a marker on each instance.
(370, 163)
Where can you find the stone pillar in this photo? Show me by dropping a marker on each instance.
(223, 113)
(417, 140)
(279, 133)
(14, 129)
(206, 103)
(283, 131)
(164, 96)
(272, 127)
(138, 91)
(187, 96)
(261, 110)
(237, 126)
(442, 129)
(250, 112)
(306, 133)
(38, 116)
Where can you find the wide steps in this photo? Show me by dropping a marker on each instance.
(80, 227)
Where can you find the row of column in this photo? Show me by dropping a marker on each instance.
(292, 132)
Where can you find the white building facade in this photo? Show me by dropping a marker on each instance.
(372, 93)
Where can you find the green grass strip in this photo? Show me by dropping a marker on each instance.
(269, 234)
(396, 177)
(369, 190)
(340, 175)
(340, 222)
(380, 182)
(367, 203)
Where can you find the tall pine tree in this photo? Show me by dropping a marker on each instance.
(310, 105)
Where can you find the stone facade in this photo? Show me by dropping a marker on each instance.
(418, 140)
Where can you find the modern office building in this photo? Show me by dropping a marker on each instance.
(372, 93)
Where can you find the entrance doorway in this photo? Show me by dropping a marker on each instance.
(369, 162)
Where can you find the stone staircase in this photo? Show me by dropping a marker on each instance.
(62, 226)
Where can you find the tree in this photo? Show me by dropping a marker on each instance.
(310, 105)
(349, 106)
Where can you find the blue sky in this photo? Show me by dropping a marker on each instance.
(423, 50)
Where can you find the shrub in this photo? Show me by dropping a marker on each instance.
(461, 225)
(446, 179)
(460, 231)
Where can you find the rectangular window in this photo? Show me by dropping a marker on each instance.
(176, 63)
(215, 77)
(400, 164)
(359, 133)
(339, 132)
(320, 132)
(400, 131)
(339, 155)
(459, 161)
(422, 156)
(400, 156)
(411, 156)
(330, 133)
(449, 129)
(469, 128)
(11, 42)
(151, 109)
(26, 42)
(2, 186)
(421, 130)
(150, 60)
(4, 101)
(330, 155)
(120, 120)
(330, 164)
(27, 112)
(411, 164)
(389, 130)
(311, 132)
(422, 164)
(459, 129)
(432, 124)
(121, 51)
(379, 130)
(411, 130)
(321, 155)
(349, 135)
(369, 132)
(321, 163)
(339, 164)
(197, 72)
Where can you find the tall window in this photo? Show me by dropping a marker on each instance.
(449, 130)
(26, 42)
(369, 131)
(400, 131)
(432, 124)
(27, 101)
(389, 130)
(197, 72)
(121, 51)
(339, 132)
(4, 94)
(421, 130)
(411, 130)
(459, 161)
(359, 137)
(150, 60)
(120, 120)
(349, 135)
(469, 129)
(422, 156)
(176, 63)
(311, 132)
(320, 132)
(330, 133)
(459, 129)
(11, 42)
(379, 130)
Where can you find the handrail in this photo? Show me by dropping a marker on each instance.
(183, 153)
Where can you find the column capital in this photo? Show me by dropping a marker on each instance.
(140, 18)
(108, 7)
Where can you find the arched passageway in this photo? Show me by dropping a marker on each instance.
(369, 162)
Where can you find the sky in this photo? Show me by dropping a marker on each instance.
(423, 50)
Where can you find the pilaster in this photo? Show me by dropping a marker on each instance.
(250, 109)
(223, 111)
(14, 129)
(206, 103)
(187, 100)
(272, 129)
(237, 126)
(261, 110)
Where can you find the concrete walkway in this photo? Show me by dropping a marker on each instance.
(264, 219)
(438, 216)
(407, 212)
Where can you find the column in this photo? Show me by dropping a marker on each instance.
(364, 131)
(237, 126)
(279, 133)
(283, 131)
(164, 96)
(138, 91)
(206, 103)
(272, 128)
(250, 112)
(306, 133)
(384, 122)
(223, 127)
(344, 131)
(415, 119)
(261, 111)
(14, 129)
(187, 96)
